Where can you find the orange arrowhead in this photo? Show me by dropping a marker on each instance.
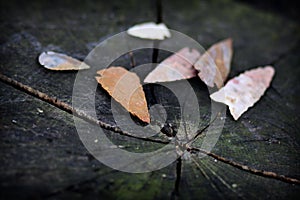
(125, 88)
(176, 67)
(214, 65)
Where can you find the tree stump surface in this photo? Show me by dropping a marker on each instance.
(40, 151)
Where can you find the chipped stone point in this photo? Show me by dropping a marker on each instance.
(150, 30)
(58, 61)
(245, 90)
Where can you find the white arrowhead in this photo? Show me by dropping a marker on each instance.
(150, 30)
(245, 90)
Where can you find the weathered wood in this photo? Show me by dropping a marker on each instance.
(41, 154)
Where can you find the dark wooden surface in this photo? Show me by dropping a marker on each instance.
(41, 154)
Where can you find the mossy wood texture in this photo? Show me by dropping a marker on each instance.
(41, 154)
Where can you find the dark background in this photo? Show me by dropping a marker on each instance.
(41, 155)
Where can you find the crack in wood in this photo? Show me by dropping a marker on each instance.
(175, 193)
(159, 11)
(132, 61)
(212, 182)
(226, 184)
(67, 108)
(159, 19)
(246, 168)
(156, 45)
